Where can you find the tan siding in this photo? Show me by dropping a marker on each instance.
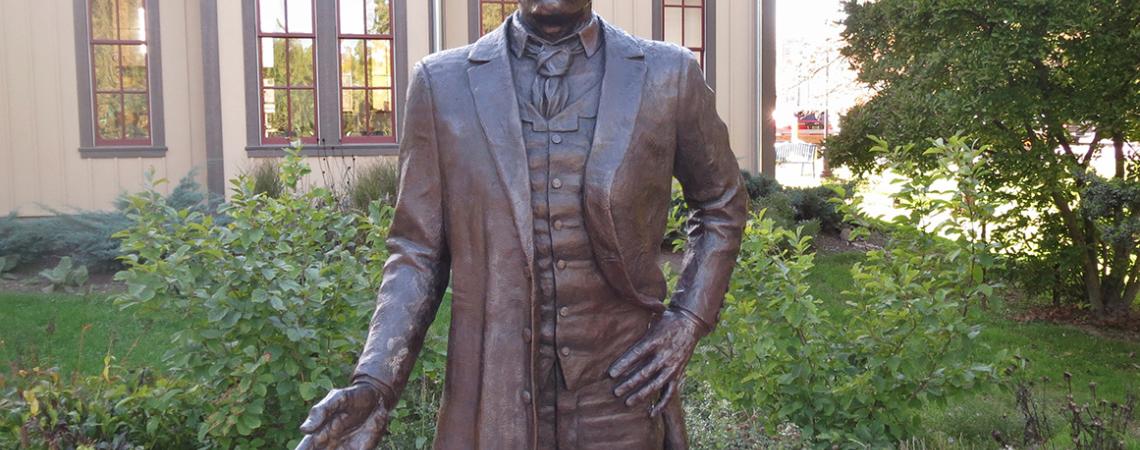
(736, 75)
(454, 23)
(40, 166)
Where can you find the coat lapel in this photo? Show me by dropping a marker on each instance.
(617, 117)
(492, 86)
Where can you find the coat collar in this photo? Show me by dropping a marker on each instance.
(490, 76)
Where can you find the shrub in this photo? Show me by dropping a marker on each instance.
(116, 410)
(378, 182)
(266, 178)
(816, 203)
(760, 185)
(65, 275)
(275, 302)
(86, 236)
(856, 376)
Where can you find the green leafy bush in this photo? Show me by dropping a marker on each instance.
(378, 182)
(65, 275)
(855, 374)
(266, 178)
(117, 410)
(760, 185)
(275, 302)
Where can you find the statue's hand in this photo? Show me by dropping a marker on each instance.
(657, 361)
(350, 418)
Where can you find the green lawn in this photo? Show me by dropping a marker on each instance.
(47, 330)
(75, 333)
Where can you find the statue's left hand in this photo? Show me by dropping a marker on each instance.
(657, 361)
(349, 419)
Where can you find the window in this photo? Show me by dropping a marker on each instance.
(119, 97)
(326, 72)
(286, 39)
(492, 13)
(684, 24)
(366, 59)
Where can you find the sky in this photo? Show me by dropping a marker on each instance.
(810, 73)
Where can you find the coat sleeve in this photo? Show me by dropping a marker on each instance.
(713, 188)
(417, 269)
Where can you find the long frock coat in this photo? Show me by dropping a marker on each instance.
(464, 210)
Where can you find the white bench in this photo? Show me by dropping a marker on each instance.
(800, 153)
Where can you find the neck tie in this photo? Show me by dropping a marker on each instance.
(549, 93)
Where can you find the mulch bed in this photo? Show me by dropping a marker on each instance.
(1118, 328)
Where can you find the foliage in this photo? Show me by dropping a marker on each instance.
(266, 178)
(378, 182)
(815, 203)
(65, 275)
(117, 410)
(1043, 82)
(274, 303)
(858, 376)
(86, 236)
(760, 185)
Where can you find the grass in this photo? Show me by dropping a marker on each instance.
(74, 333)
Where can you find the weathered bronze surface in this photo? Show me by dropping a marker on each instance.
(536, 173)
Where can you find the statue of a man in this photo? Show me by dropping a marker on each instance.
(536, 170)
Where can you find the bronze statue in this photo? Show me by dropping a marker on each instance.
(547, 208)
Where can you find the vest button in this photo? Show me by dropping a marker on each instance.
(526, 396)
(556, 138)
(565, 351)
(556, 183)
(527, 334)
(564, 311)
(558, 224)
(561, 264)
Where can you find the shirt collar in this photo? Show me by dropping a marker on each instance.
(590, 34)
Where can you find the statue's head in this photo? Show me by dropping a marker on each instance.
(552, 17)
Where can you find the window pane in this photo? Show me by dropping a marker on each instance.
(304, 110)
(106, 67)
(377, 17)
(300, 62)
(352, 16)
(380, 114)
(273, 62)
(694, 2)
(103, 25)
(276, 111)
(108, 116)
(673, 25)
(492, 16)
(300, 16)
(674, 2)
(380, 63)
(132, 20)
(136, 116)
(352, 62)
(694, 29)
(354, 112)
(272, 14)
(134, 67)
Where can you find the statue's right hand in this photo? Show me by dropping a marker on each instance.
(351, 418)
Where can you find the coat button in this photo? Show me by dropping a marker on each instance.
(565, 351)
(527, 334)
(526, 396)
(558, 224)
(556, 138)
(564, 311)
(556, 183)
(561, 264)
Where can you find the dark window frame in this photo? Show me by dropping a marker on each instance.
(390, 37)
(329, 142)
(90, 143)
(708, 31)
(288, 89)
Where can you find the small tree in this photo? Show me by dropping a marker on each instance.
(1043, 82)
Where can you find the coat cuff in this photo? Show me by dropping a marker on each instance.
(387, 394)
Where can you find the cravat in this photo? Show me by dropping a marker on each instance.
(549, 92)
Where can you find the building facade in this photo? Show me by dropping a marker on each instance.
(97, 94)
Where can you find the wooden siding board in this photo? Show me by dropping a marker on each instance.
(7, 164)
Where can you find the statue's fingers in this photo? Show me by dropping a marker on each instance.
(333, 431)
(639, 377)
(307, 443)
(320, 412)
(660, 379)
(629, 358)
(671, 390)
(368, 435)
